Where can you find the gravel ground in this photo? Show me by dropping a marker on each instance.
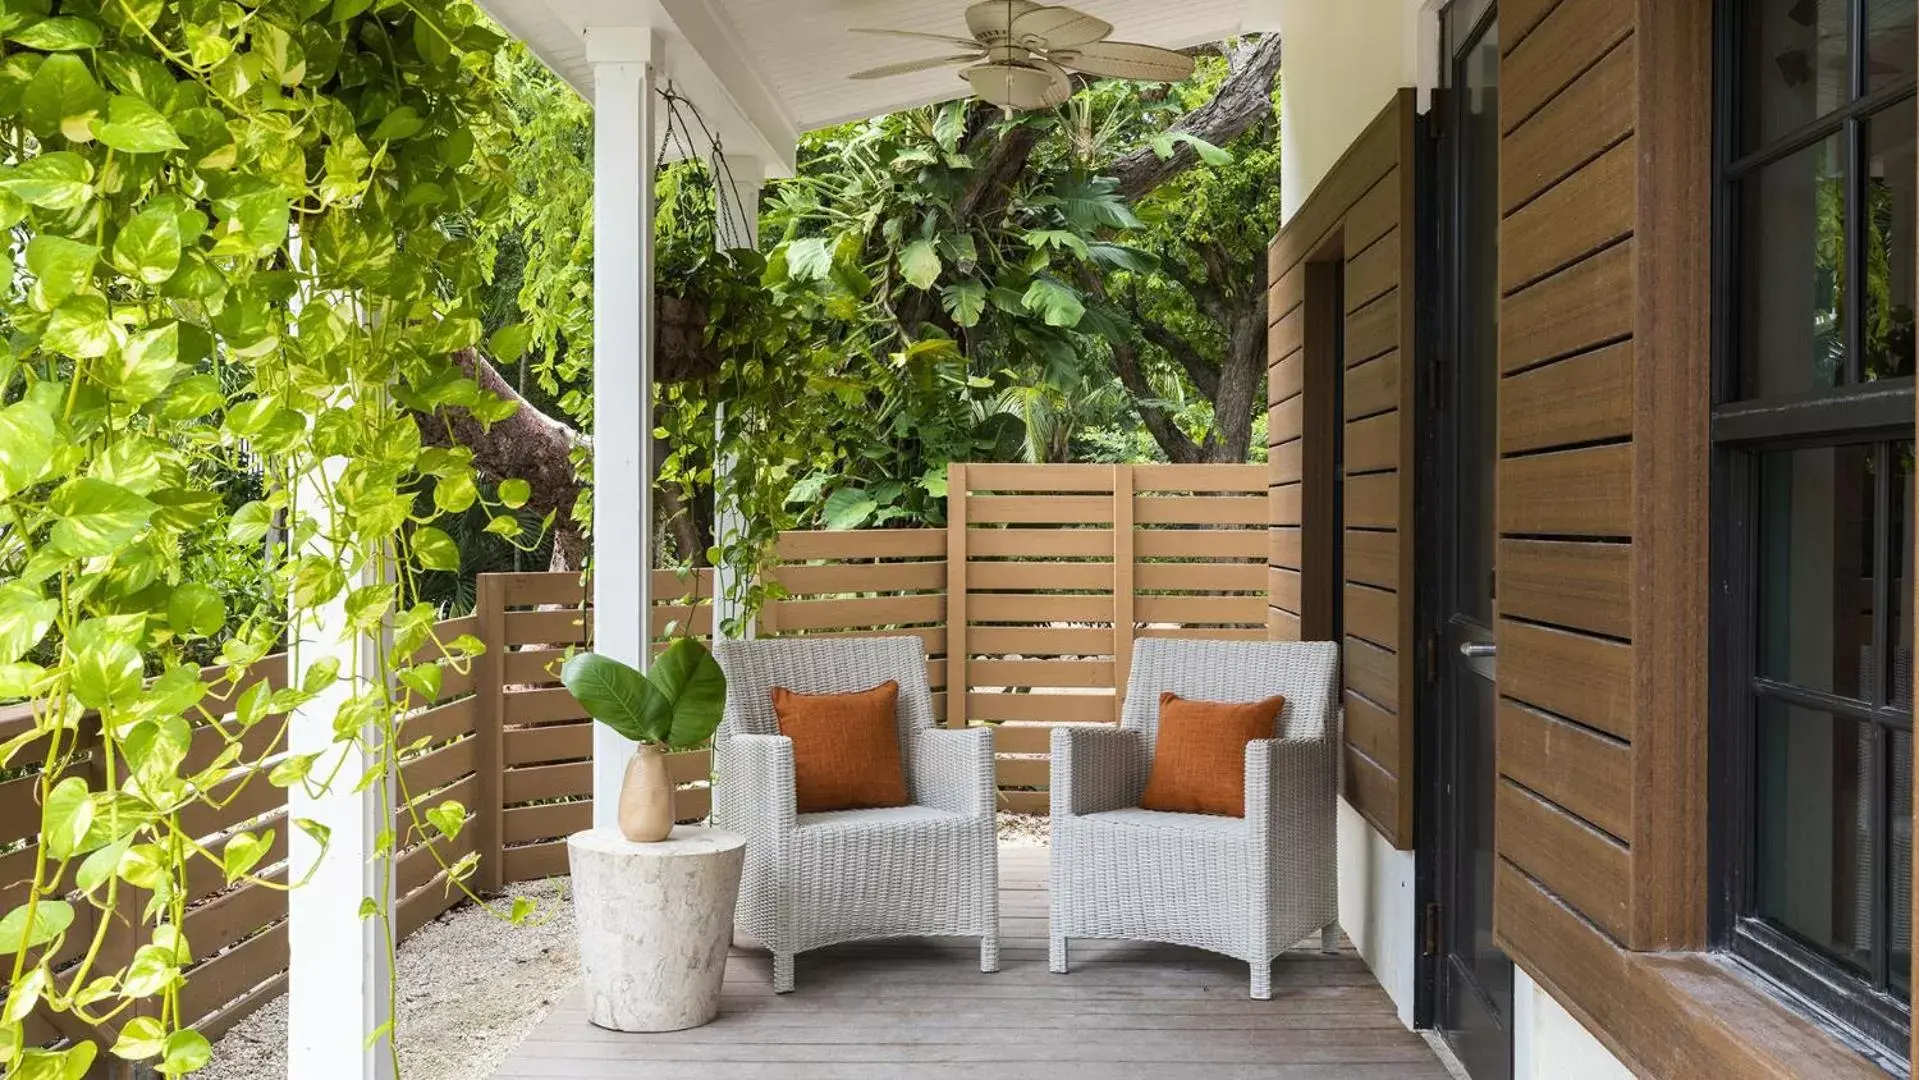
(1023, 830)
(471, 987)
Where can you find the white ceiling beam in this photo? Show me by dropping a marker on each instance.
(708, 33)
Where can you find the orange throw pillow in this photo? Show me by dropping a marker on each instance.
(1199, 759)
(846, 748)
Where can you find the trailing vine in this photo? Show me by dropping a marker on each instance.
(239, 245)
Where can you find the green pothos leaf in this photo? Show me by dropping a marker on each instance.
(21, 929)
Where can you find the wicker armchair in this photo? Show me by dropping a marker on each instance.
(1249, 888)
(811, 880)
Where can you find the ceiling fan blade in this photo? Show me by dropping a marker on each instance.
(944, 39)
(1055, 28)
(907, 67)
(1126, 60)
(992, 20)
(1060, 90)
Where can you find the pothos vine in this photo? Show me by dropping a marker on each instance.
(238, 240)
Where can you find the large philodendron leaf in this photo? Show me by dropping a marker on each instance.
(677, 703)
(692, 692)
(848, 508)
(920, 263)
(1053, 301)
(618, 696)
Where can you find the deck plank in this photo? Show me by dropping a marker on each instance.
(919, 1009)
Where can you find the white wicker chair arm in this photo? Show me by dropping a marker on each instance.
(755, 786)
(1096, 768)
(1289, 784)
(952, 769)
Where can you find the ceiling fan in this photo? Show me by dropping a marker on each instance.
(1022, 54)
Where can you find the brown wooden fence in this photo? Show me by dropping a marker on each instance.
(864, 584)
(1055, 569)
(535, 741)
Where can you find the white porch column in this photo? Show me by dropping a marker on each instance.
(624, 60)
(736, 197)
(337, 993)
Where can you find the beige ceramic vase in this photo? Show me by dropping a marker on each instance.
(646, 796)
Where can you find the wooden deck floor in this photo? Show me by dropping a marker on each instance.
(921, 1010)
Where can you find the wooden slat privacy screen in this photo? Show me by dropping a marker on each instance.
(1054, 569)
(865, 583)
(1340, 301)
(238, 932)
(540, 743)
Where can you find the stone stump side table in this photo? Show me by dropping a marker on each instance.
(655, 923)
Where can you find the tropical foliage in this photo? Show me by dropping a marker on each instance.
(238, 256)
(941, 284)
(298, 296)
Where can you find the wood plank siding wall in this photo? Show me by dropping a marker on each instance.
(1604, 567)
(1568, 199)
(1603, 476)
(1353, 231)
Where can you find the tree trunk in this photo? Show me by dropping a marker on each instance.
(1240, 380)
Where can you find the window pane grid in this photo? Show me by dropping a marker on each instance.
(1856, 251)
(1825, 127)
(1813, 416)
(1886, 716)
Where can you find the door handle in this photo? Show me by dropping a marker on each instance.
(1478, 649)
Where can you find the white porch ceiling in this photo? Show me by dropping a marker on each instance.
(767, 70)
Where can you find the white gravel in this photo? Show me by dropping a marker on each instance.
(473, 986)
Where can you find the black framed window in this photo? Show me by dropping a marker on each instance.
(1813, 425)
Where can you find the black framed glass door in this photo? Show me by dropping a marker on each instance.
(1472, 979)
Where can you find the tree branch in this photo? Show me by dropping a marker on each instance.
(1203, 372)
(529, 444)
(1241, 383)
(1179, 449)
(1243, 100)
(993, 179)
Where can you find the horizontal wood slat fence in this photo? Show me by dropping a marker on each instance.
(536, 739)
(1028, 603)
(1053, 570)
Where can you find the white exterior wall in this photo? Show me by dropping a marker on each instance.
(1376, 906)
(1351, 57)
(1548, 1044)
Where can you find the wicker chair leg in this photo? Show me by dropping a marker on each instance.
(989, 953)
(1056, 955)
(1262, 980)
(782, 973)
(1329, 938)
